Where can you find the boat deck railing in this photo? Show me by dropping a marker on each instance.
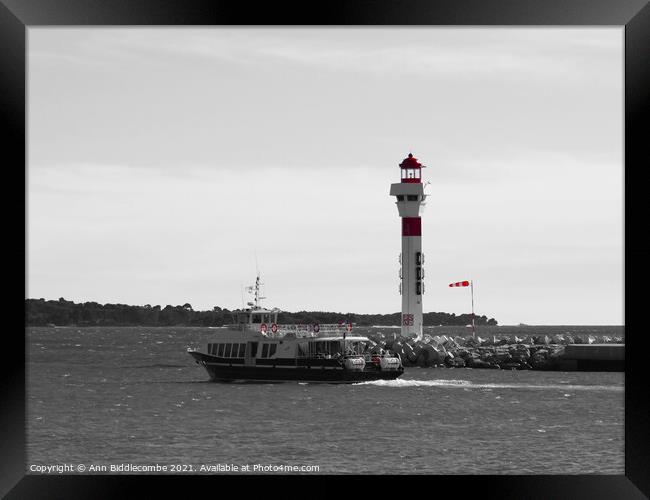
(302, 331)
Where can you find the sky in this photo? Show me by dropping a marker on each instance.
(167, 166)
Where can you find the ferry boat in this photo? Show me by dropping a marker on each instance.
(256, 348)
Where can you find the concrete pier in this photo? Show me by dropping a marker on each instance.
(593, 357)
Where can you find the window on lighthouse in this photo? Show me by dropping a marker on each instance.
(410, 173)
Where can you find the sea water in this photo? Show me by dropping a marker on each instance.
(124, 397)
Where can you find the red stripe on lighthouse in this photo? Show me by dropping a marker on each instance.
(411, 226)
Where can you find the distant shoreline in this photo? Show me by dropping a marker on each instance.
(63, 313)
(41, 312)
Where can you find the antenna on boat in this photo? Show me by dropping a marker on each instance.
(258, 283)
(255, 290)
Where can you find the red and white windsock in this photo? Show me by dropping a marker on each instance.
(410, 198)
(471, 285)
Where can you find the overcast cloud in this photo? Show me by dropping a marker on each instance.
(161, 162)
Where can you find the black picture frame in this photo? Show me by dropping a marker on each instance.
(17, 15)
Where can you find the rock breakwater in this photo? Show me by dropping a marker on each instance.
(513, 352)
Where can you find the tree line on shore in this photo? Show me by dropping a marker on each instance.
(41, 312)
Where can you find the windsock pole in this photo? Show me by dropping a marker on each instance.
(471, 286)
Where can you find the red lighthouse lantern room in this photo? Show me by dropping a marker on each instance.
(411, 169)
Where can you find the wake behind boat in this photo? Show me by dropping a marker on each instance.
(256, 348)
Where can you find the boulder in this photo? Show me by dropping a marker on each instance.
(454, 362)
(540, 363)
(511, 365)
(409, 353)
(433, 356)
(477, 363)
(422, 359)
(471, 342)
(460, 341)
(557, 352)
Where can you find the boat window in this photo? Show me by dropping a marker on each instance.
(272, 349)
(400, 197)
(226, 353)
(209, 348)
(242, 350)
(221, 346)
(265, 350)
(412, 197)
(302, 350)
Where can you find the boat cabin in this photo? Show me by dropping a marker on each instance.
(252, 318)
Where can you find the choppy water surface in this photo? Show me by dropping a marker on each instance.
(133, 395)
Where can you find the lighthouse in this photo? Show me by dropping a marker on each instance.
(410, 200)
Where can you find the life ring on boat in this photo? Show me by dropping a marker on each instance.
(263, 327)
(316, 328)
(274, 328)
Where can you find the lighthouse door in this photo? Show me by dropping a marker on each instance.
(251, 352)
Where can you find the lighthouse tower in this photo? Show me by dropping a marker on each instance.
(410, 198)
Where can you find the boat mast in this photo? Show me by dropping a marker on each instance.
(256, 290)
